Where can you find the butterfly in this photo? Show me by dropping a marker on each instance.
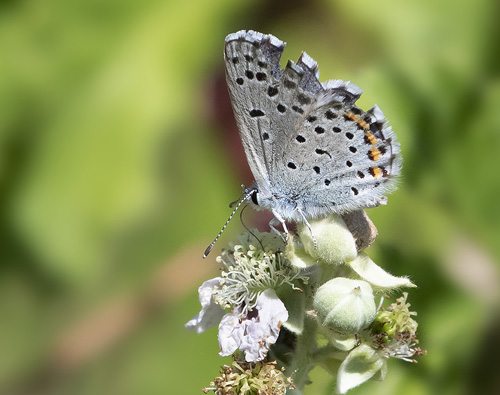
(311, 150)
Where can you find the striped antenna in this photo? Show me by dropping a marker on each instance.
(247, 194)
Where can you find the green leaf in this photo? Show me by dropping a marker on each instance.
(361, 364)
(376, 276)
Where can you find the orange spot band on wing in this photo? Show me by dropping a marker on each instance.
(363, 124)
(370, 138)
(375, 172)
(374, 154)
(352, 116)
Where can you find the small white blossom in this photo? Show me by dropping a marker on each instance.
(250, 275)
(249, 269)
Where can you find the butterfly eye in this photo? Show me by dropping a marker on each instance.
(254, 198)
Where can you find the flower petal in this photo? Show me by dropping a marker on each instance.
(231, 332)
(211, 313)
(263, 330)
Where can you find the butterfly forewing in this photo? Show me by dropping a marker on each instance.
(253, 76)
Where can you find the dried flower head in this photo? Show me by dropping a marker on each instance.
(242, 378)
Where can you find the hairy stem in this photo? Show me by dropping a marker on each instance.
(305, 346)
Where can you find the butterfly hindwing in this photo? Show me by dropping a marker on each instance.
(339, 158)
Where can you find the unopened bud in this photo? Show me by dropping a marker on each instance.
(328, 240)
(345, 305)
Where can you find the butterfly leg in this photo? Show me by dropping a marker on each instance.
(309, 227)
(273, 222)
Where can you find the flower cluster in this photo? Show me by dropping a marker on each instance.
(247, 379)
(307, 302)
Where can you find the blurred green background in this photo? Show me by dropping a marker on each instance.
(119, 156)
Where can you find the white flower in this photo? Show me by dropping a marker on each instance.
(255, 333)
(249, 269)
(211, 313)
(247, 286)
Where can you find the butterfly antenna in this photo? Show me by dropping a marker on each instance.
(247, 228)
(243, 199)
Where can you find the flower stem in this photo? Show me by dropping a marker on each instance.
(305, 347)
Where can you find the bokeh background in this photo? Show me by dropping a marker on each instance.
(119, 156)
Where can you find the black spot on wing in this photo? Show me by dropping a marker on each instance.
(256, 113)
(272, 91)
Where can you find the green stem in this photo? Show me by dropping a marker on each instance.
(302, 359)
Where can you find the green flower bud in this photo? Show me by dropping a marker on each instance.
(395, 321)
(345, 305)
(334, 242)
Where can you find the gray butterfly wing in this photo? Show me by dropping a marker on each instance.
(255, 82)
(338, 158)
(310, 149)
